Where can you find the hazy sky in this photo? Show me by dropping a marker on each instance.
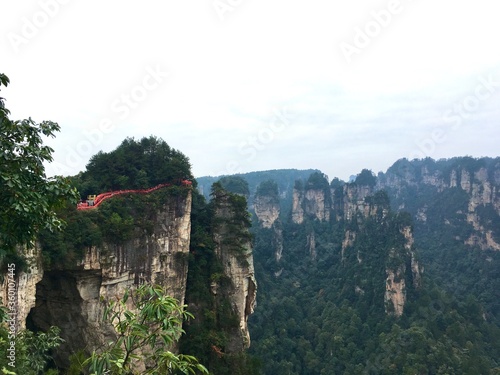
(244, 85)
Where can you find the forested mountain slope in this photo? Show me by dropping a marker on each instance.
(392, 274)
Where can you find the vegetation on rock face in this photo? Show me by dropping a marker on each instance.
(125, 217)
(442, 224)
(232, 221)
(209, 335)
(133, 165)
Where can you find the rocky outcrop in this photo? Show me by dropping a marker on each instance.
(479, 178)
(395, 292)
(23, 285)
(278, 241)
(349, 238)
(267, 210)
(397, 272)
(234, 250)
(297, 210)
(354, 201)
(158, 259)
(242, 293)
(72, 298)
(361, 205)
(314, 203)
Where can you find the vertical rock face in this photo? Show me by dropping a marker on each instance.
(25, 285)
(311, 202)
(278, 242)
(159, 259)
(234, 249)
(354, 200)
(395, 292)
(297, 210)
(267, 210)
(311, 244)
(397, 272)
(71, 298)
(479, 179)
(316, 204)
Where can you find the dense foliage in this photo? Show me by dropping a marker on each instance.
(235, 185)
(324, 314)
(32, 351)
(134, 165)
(366, 178)
(268, 188)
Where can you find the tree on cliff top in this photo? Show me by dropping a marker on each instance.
(366, 178)
(268, 188)
(27, 196)
(318, 181)
(235, 185)
(135, 164)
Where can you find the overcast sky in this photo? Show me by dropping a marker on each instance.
(245, 85)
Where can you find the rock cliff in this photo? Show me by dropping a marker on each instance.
(267, 210)
(476, 179)
(355, 205)
(311, 203)
(234, 250)
(402, 265)
(71, 298)
(26, 283)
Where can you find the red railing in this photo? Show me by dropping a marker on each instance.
(103, 196)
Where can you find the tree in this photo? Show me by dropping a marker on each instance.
(146, 331)
(366, 178)
(27, 352)
(235, 185)
(268, 188)
(27, 196)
